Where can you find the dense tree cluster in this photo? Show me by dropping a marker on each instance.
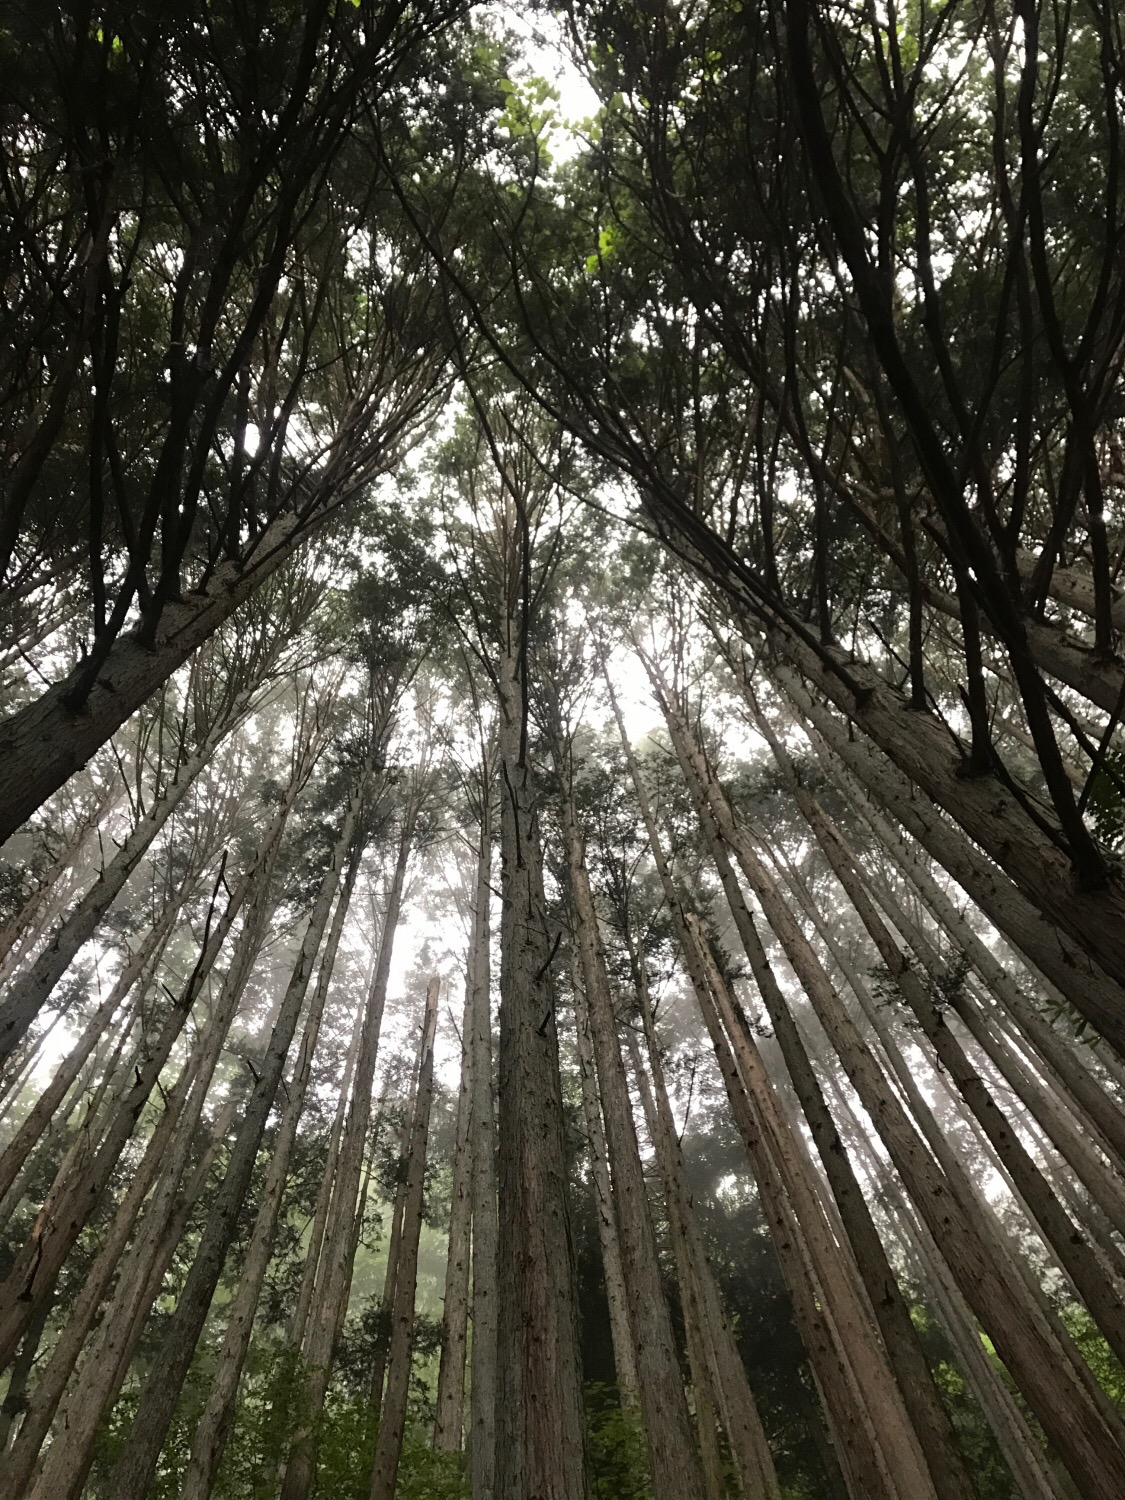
(562, 925)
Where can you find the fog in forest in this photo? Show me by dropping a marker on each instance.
(562, 921)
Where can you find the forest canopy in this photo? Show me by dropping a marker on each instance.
(562, 921)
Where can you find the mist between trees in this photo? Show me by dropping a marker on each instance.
(562, 930)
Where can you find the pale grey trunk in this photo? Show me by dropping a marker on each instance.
(1066, 962)
(43, 744)
(918, 745)
(145, 956)
(392, 1417)
(31, 991)
(482, 1385)
(77, 1193)
(450, 1399)
(900, 1341)
(540, 1440)
(1047, 1106)
(672, 1459)
(856, 1447)
(829, 1354)
(1088, 1443)
(621, 1336)
(1021, 1449)
(214, 1425)
(718, 1373)
(1091, 1101)
(149, 1253)
(17, 929)
(1065, 1238)
(897, 1442)
(333, 1281)
(136, 1464)
(312, 1266)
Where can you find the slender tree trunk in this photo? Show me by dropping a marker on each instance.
(31, 991)
(674, 1465)
(736, 1403)
(1060, 1399)
(1089, 1093)
(856, 1446)
(540, 1440)
(900, 1340)
(77, 1193)
(621, 1337)
(482, 1385)
(15, 930)
(136, 1464)
(1071, 967)
(313, 1266)
(148, 1255)
(390, 1277)
(718, 1374)
(828, 1348)
(333, 1282)
(1063, 1236)
(217, 1418)
(392, 1418)
(450, 1400)
(42, 745)
(140, 963)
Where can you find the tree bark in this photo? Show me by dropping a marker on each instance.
(1079, 1428)
(1067, 961)
(450, 1399)
(540, 1440)
(392, 1418)
(333, 1280)
(482, 1385)
(673, 1462)
(217, 1418)
(132, 1473)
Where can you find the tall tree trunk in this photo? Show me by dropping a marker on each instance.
(313, 1265)
(1063, 1236)
(1089, 1093)
(621, 1335)
(723, 1375)
(214, 1426)
(392, 1417)
(42, 745)
(672, 1459)
(1069, 965)
(76, 1194)
(139, 964)
(333, 1281)
(450, 1400)
(540, 1439)
(136, 1464)
(148, 1255)
(31, 991)
(900, 1340)
(856, 1446)
(482, 1384)
(1080, 1429)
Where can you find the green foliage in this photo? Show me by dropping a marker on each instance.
(618, 1462)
